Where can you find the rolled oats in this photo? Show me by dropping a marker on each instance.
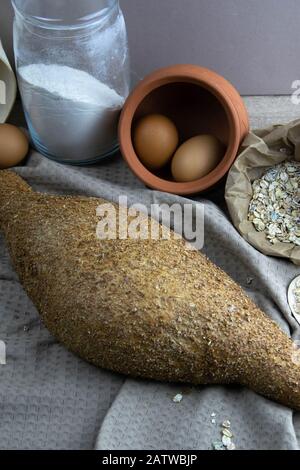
(275, 205)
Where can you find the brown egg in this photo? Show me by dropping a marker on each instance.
(13, 146)
(155, 140)
(197, 158)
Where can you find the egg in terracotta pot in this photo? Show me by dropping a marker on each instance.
(155, 140)
(14, 146)
(196, 158)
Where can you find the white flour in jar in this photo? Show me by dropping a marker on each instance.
(71, 114)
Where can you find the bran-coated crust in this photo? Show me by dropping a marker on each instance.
(146, 308)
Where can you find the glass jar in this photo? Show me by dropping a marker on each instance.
(72, 65)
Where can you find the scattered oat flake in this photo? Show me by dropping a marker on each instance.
(178, 398)
(213, 415)
(213, 421)
(226, 432)
(231, 446)
(226, 437)
(218, 446)
(226, 424)
(226, 441)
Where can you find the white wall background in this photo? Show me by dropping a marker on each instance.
(254, 43)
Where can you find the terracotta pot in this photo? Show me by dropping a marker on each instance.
(199, 101)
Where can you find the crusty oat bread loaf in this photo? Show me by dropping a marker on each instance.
(146, 308)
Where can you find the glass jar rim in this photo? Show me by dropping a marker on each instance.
(76, 24)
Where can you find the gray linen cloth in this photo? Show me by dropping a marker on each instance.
(50, 399)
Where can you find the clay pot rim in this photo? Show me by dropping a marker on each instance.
(175, 74)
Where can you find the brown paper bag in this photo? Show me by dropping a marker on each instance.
(8, 86)
(261, 150)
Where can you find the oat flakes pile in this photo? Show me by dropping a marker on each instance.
(275, 206)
